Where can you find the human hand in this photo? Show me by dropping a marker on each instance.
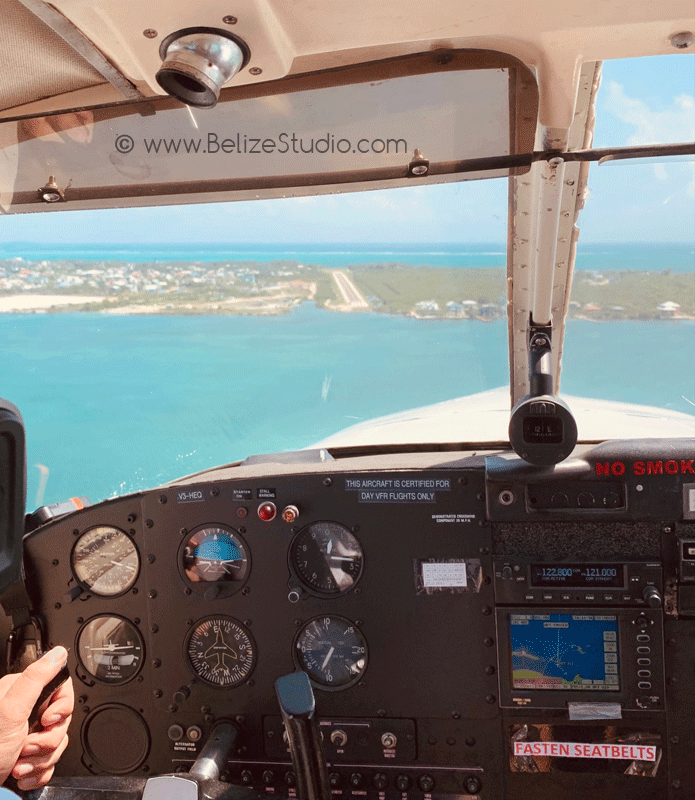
(31, 756)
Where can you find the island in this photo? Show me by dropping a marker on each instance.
(275, 287)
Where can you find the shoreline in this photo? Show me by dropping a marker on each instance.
(276, 306)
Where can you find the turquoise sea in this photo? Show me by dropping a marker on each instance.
(647, 257)
(116, 404)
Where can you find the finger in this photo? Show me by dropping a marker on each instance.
(62, 704)
(45, 741)
(5, 682)
(26, 766)
(22, 695)
(39, 779)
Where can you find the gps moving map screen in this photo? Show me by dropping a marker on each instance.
(564, 651)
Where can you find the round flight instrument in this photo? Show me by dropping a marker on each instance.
(110, 649)
(105, 560)
(327, 558)
(215, 554)
(221, 651)
(332, 651)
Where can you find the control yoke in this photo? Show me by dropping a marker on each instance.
(202, 782)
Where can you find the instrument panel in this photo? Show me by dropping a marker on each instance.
(461, 636)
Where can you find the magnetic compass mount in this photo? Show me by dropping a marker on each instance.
(542, 429)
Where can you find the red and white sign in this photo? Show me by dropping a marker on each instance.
(621, 752)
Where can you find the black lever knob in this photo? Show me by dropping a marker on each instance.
(298, 713)
(652, 597)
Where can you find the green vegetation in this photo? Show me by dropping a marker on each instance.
(397, 288)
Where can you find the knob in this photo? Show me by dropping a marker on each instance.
(246, 777)
(290, 778)
(194, 733)
(652, 597)
(473, 784)
(356, 780)
(402, 783)
(175, 733)
(181, 694)
(268, 777)
(426, 783)
(73, 594)
(338, 738)
(334, 779)
(380, 781)
(585, 500)
(507, 573)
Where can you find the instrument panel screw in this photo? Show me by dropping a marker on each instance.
(490, 699)
(151, 559)
(240, 718)
(154, 628)
(131, 518)
(82, 699)
(150, 33)
(255, 71)
(480, 496)
(489, 670)
(485, 550)
(247, 622)
(326, 481)
(381, 712)
(215, 492)
(487, 611)
(80, 620)
(173, 707)
(361, 684)
(229, 20)
(149, 523)
(183, 531)
(674, 740)
(488, 642)
(86, 709)
(668, 529)
(152, 594)
(487, 580)
(55, 562)
(209, 718)
(139, 679)
(156, 663)
(57, 606)
(451, 741)
(671, 642)
(242, 530)
(163, 499)
(432, 740)
(205, 709)
(470, 741)
(245, 590)
(158, 693)
(456, 714)
(463, 480)
(75, 532)
(672, 681)
(146, 768)
(676, 784)
(187, 590)
(251, 682)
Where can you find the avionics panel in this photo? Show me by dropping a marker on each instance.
(551, 657)
(626, 583)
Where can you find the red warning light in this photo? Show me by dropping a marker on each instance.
(267, 511)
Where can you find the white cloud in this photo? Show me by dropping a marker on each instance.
(670, 124)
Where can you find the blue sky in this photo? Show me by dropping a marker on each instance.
(641, 100)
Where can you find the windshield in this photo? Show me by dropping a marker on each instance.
(142, 344)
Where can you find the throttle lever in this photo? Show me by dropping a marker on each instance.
(298, 707)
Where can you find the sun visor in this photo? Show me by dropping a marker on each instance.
(427, 118)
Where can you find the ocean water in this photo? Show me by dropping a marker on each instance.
(116, 404)
(647, 257)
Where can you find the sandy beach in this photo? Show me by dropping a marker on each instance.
(41, 302)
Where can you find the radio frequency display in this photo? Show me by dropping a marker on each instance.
(578, 576)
